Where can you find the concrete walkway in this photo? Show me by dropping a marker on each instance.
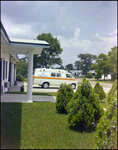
(22, 98)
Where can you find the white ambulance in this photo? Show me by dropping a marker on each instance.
(53, 77)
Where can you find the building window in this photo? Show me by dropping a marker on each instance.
(58, 74)
(3, 69)
(53, 74)
(6, 69)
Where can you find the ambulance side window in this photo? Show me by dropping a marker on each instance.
(53, 74)
(68, 76)
(58, 74)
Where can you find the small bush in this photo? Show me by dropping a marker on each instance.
(99, 90)
(19, 78)
(97, 76)
(84, 108)
(106, 130)
(64, 95)
(112, 91)
(89, 75)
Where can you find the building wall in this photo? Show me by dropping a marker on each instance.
(106, 77)
(5, 63)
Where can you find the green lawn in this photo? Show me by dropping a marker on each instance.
(35, 93)
(37, 125)
(99, 80)
(104, 102)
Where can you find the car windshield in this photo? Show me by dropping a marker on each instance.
(68, 76)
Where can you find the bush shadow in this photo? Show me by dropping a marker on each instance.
(11, 125)
(82, 129)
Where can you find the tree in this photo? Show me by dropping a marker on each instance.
(69, 67)
(97, 76)
(85, 62)
(35, 62)
(85, 107)
(99, 90)
(112, 93)
(89, 75)
(64, 95)
(77, 65)
(22, 67)
(101, 65)
(49, 56)
(112, 60)
(106, 130)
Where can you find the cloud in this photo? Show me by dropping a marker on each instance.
(77, 33)
(22, 31)
(113, 32)
(80, 26)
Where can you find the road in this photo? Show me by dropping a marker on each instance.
(37, 88)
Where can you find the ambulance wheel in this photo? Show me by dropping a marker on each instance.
(73, 86)
(45, 85)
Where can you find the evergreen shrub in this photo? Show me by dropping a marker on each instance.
(85, 107)
(106, 130)
(64, 95)
(89, 75)
(99, 90)
(112, 91)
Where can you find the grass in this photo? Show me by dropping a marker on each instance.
(35, 93)
(11, 117)
(99, 80)
(39, 126)
(104, 102)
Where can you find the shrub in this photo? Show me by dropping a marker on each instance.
(112, 91)
(64, 95)
(97, 76)
(99, 90)
(85, 107)
(19, 78)
(106, 130)
(89, 75)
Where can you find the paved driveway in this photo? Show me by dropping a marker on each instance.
(37, 88)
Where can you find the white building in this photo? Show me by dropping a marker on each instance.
(80, 73)
(106, 77)
(10, 47)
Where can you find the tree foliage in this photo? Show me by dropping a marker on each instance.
(99, 90)
(64, 95)
(89, 75)
(22, 67)
(69, 67)
(112, 91)
(77, 65)
(112, 60)
(97, 75)
(101, 65)
(49, 56)
(85, 62)
(84, 108)
(106, 130)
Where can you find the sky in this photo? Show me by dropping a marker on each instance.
(80, 26)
